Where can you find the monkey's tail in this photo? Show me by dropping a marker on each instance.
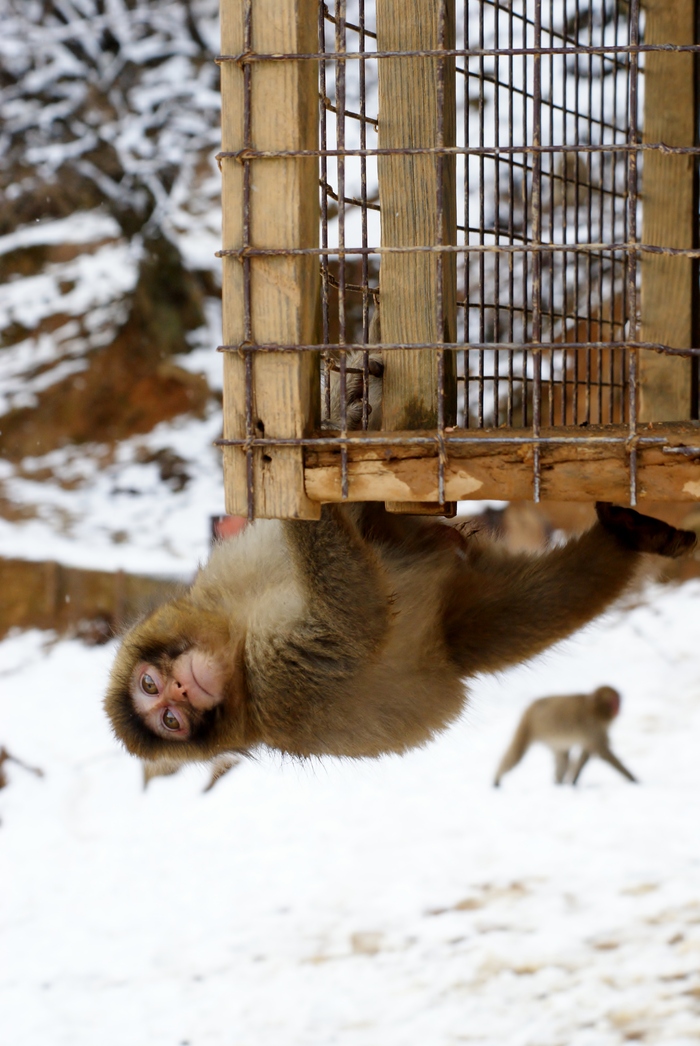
(515, 751)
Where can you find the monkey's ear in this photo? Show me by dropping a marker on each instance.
(644, 533)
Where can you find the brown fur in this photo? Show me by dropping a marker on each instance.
(353, 635)
(562, 723)
(219, 767)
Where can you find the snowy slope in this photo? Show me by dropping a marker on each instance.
(119, 514)
(397, 902)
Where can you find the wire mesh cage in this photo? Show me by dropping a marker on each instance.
(494, 203)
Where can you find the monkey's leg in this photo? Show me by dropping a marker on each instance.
(514, 753)
(413, 535)
(561, 766)
(511, 607)
(508, 608)
(356, 395)
(644, 533)
(579, 765)
(609, 756)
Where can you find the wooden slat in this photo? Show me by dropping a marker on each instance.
(408, 189)
(49, 595)
(503, 470)
(284, 295)
(668, 214)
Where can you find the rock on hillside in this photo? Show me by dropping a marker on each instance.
(109, 123)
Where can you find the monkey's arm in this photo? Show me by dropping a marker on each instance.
(605, 753)
(609, 756)
(561, 766)
(347, 590)
(512, 607)
(347, 610)
(579, 765)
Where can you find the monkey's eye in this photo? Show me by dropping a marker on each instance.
(147, 685)
(170, 720)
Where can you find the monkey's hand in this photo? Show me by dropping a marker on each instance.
(644, 533)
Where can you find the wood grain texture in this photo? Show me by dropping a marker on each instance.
(50, 595)
(284, 295)
(668, 218)
(409, 104)
(503, 470)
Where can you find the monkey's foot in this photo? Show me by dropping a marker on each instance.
(644, 533)
(353, 412)
(355, 392)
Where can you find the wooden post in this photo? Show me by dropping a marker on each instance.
(668, 211)
(280, 112)
(410, 97)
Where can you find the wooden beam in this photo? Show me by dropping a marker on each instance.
(417, 109)
(669, 217)
(283, 297)
(497, 466)
(49, 595)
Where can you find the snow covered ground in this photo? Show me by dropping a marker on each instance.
(395, 902)
(119, 514)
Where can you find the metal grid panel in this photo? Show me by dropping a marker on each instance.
(548, 151)
(537, 165)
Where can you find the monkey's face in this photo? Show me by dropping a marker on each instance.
(172, 697)
(607, 701)
(177, 686)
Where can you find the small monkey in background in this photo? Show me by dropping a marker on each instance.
(562, 723)
(353, 635)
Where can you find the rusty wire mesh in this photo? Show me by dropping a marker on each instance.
(549, 157)
(543, 159)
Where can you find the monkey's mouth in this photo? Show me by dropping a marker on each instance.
(206, 677)
(197, 680)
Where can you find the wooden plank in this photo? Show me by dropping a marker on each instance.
(284, 292)
(668, 211)
(49, 595)
(410, 284)
(503, 469)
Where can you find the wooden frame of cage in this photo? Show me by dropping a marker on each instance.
(276, 461)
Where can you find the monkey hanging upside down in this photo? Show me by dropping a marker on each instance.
(353, 635)
(562, 723)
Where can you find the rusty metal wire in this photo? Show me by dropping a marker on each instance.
(547, 160)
